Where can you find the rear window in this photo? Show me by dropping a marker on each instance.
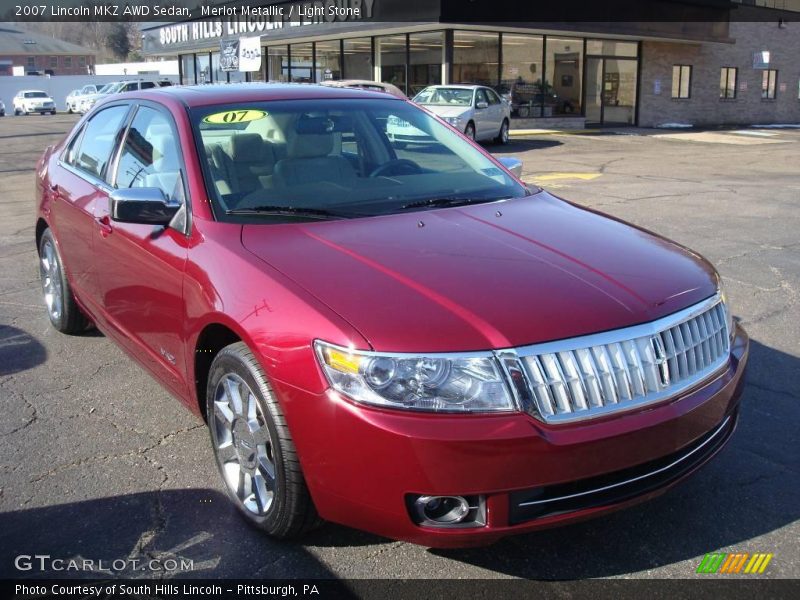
(35, 95)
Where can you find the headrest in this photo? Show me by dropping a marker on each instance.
(309, 145)
(247, 147)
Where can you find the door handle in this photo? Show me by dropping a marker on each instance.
(104, 223)
(54, 187)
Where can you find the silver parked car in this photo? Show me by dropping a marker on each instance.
(76, 96)
(476, 110)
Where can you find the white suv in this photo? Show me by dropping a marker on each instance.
(86, 103)
(28, 101)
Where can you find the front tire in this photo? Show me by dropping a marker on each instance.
(253, 448)
(62, 309)
(470, 131)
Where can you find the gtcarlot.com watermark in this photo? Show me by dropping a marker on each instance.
(46, 562)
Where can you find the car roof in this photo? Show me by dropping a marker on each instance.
(463, 86)
(209, 94)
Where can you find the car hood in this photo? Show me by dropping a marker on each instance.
(447, 111)
(485, 276)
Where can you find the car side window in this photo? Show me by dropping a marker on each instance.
(492, 96)
(146, 85)
(149, 156)
(480, 96)
(71, 155)
(98, 140)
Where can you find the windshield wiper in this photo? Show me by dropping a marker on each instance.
(291, 211)
(446, 201)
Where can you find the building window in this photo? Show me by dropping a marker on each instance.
(217, 73)
(187, 69)
(53, 62)
(203, 67)
(521, 78)
(278, 63)
(476, 56)
(301, 69)
(681, 81)
(563, 76)
(82, 61)
(727, 82)
(769, 84)
(31, 62)
(391, 52)
(357, 60)
(425, 60)
(68, 61)
(329, 60)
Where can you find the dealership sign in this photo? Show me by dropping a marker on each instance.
(228, 21)
(250, 54)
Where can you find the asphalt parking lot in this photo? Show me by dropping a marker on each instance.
(99, 462)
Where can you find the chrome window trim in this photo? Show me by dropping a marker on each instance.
(611, 486)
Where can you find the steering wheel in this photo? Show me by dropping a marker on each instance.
(397, 166)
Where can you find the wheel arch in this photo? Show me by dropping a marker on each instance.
(214, 336)
(41, 225)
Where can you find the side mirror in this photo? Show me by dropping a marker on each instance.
(482, 104)
(512, 164)
(147, 206)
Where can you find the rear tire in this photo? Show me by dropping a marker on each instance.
(253, 448)
(502, 136)
(62, 309)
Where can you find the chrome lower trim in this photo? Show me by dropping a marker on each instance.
(720, 428)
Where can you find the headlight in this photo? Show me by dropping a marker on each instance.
(456, 121)
(438, 382)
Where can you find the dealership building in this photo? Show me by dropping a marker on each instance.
(711, 62)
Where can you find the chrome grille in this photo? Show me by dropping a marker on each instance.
(595, 375)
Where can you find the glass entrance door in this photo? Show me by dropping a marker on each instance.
(610, 91)
(594, 92)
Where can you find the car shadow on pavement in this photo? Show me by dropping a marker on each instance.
(19, 351)
(190, 533)
(522, 145)
(750, 489)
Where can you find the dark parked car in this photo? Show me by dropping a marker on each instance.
(407, 341)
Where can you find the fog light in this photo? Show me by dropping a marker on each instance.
(447, 511)
(443, 509)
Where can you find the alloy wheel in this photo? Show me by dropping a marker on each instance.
(504, 133)
(51, 280)
(243, 445)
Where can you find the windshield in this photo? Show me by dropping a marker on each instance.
(88, 89)
(339, 156)
(445, 96)
(35, 95)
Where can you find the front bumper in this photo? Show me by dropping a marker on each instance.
(361, 464)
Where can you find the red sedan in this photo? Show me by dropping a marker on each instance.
(408, 341)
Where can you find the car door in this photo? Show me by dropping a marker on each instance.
(482, 117)
(496, 111)
(140, 267)
(76, 186)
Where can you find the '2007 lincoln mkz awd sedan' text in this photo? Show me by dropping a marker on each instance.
(403, 339)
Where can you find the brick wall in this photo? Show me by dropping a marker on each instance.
(704, 107)
(60, 65)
